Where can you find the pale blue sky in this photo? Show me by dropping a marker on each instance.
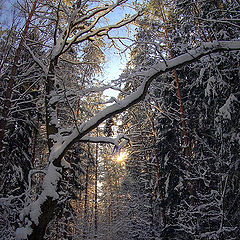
(116, 61)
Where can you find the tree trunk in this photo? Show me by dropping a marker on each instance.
(51, 106)
(182, 114)
(48, 208)
(85, 228)
(96, 195)
(159, 187)
(45, 200)
(9, 90)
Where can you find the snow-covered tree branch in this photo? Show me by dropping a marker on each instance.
(36, 211)
(62, 140)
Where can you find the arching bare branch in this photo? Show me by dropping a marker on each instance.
(38, 213)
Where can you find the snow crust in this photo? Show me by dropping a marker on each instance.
(226, 110)
(34, 209)
(23, 232)
(210, 87)
(65, 164)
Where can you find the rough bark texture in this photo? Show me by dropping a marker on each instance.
(48, 208)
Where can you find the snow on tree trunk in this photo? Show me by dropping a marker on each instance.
(39, 213)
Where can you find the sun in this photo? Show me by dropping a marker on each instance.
(121, 157)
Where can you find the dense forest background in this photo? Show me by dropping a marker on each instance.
(160, 161)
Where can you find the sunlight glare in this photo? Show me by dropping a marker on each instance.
(121, 157)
